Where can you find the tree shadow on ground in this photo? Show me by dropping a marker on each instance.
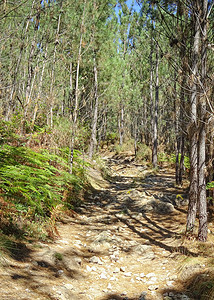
(154, 241)
(19, 251)
(41, 275)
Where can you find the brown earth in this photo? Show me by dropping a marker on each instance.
(127, 242)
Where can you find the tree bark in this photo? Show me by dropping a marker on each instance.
(11, 103)
(53, 71)
(93, 142)
(155, 122)
(202, 231)
(121, 124)
(193, 193)
(151, 85)
(76, 102)
(39, 89)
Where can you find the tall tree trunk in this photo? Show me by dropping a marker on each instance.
(202, 231)
(155, 122)
(70, 96)
(121, 124)
(30, 81)
(11, 104)
(151, 85)
(193, 193)
(135, 135)
(103, 127)
(53, 69)
(39, 89)
(177, 133)
(76, 102)
(93, 142)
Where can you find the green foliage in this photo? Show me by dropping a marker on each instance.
(210, 185)
(7, 131)
(164, 157)
(144, 153)
(58, 256)
(34, 180)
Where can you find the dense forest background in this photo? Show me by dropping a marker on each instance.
(80, 76)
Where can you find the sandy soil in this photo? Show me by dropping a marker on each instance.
(126, 243)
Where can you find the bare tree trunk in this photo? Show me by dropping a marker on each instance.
(30, 82)
(193, 193)
(103, 127)
(70, 97)
(181, 165)
(93, 142)
(151, 86)
(39, 89)
(135, 136)
(155, 122)
(202, 199)
(121, 124)
(76, 104)
(53, 71)
(12, 96)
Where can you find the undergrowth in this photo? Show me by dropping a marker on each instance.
(36, 187)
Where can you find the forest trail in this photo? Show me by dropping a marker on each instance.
(126, 243)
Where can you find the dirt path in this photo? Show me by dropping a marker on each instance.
(125, 244)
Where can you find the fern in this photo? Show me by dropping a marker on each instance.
(34, 179)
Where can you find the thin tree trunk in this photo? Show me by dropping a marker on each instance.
(76, 104)
(93, 142)
(12, 96)
(151, 87)
(121, 124)
(30, 82)
(193, 193)
(70, 97)
(177, 134)
(202, 231)
(135, 136)
(155, 122)
(181, 164)
(53, 71)
(102, 130)
(39, 89)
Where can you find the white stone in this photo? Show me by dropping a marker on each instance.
(96, 260)
(114, 258)
(153, 287)
(109, 286)
(153, 279)
(88, 268)
(150, 275)
(103, 276)
(117, 270)
(128, 274)
(68, 286)
(138, 278)
(62, 242)
(170, 283)
(113, 278)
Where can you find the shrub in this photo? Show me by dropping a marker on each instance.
(144, 153)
